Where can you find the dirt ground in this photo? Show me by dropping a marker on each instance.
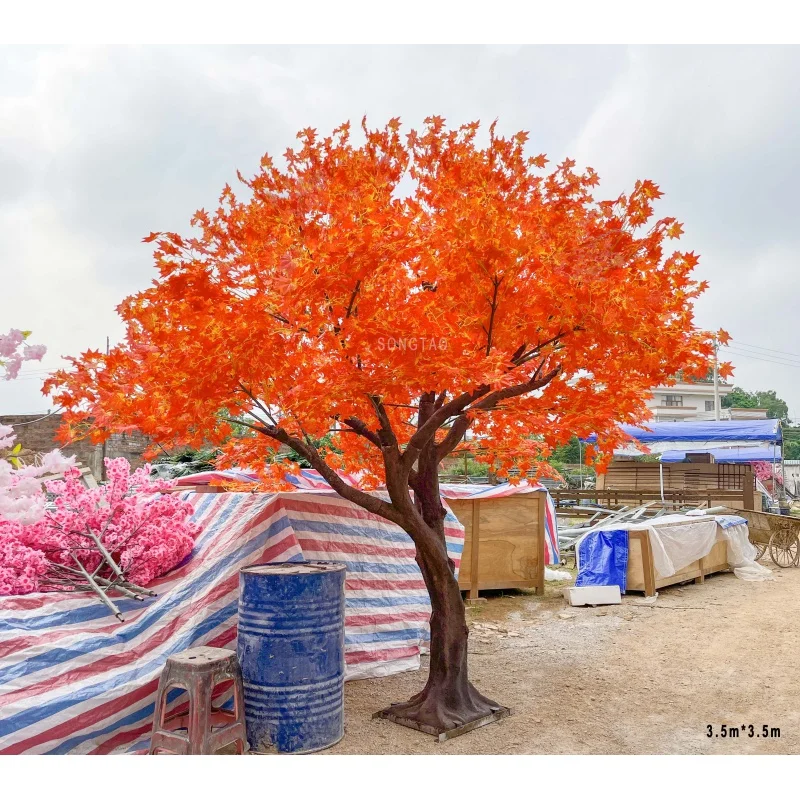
(633, 678)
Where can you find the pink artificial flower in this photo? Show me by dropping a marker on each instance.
(55, 462)
(10, 356)
(9, 342)
(147, 533)
(33, 352)
(7, 436)
(12, 366)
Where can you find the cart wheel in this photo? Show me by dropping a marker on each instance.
(761, 548)
(784, 548)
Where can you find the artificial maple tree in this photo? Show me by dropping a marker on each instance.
(395, 294)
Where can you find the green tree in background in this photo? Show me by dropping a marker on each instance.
(791, 444)
(570, 453)
(741, 398)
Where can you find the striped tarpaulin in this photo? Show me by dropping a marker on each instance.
(480, 491)
(306, 479)
(75, 680)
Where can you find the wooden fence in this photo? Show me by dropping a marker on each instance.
(616, 498)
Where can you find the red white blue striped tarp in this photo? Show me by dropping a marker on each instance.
(312, 480)
(75, 680)
(477, 491)
(306, 479)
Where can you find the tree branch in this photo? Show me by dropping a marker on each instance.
(359, 427)
(493, 302)
(386, 433)
(367, 501)
(451, 409)
(353, 299)
(490, 402)
(520, 358)
(454, 436)
(258, 403)
(461, 424)
(260, 429)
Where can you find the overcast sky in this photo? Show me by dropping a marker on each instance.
(100, 146)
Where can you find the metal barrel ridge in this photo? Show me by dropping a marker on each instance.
(291, 651)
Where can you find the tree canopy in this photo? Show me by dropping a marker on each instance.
(399, 294)
(354, 279)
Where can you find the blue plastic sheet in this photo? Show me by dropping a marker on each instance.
(603, 558)
(757, 430)
(723, 455)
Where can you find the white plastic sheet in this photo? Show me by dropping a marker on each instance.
(678, 539)
(556, 574)
(742, 555)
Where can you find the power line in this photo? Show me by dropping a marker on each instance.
(737, 343)
(31, 421)
(766, 359)
(787, 359)
(790, 360)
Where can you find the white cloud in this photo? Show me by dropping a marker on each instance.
(98, 146)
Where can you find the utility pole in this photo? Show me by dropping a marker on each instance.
(783, 463)
(103, 475)
(716, 379)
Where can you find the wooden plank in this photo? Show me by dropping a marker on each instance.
(615, 498)
(749, 494)
(476, 543)
(641, 573)
(634, 475)
(88, 478)
(701, 567)
(649, 568)
(635, 574)
(508, 584)
(541, 498)
(443, 734)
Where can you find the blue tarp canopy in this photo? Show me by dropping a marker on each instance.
(755, 430)
(742, 455)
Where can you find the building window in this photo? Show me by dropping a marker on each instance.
(673, 400)
(709, 405)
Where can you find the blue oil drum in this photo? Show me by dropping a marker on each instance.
(291, 650)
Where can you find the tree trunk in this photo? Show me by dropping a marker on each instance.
(448, 700)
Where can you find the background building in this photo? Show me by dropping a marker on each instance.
(695, 400)
(37, 435)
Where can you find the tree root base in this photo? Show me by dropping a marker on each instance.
(442, 734)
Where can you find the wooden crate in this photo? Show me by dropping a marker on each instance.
(714, 484)
(503, 543)
(641, 575)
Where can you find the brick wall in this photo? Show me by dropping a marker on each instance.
(38, 435)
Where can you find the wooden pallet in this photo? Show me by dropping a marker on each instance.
(443, 734)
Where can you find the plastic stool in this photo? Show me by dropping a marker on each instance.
(208, 729)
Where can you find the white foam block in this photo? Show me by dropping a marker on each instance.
(593, 595)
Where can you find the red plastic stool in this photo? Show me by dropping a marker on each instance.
(208, 729)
